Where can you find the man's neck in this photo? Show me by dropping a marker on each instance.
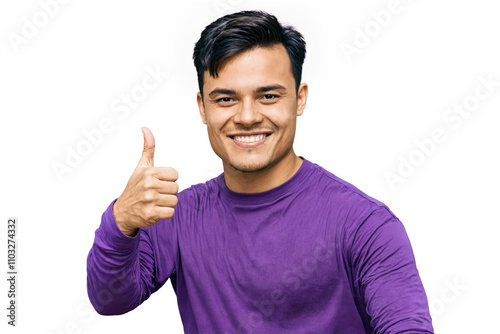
(263, 180)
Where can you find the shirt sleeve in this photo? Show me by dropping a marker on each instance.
(386, 279)
(124, 271)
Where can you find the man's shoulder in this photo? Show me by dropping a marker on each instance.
(343, 192)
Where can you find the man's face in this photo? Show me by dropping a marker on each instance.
(250, 110)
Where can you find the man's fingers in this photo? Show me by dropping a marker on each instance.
(165, 173)
(147, 158)
(166, 201)
(161, 187)
(167, 188)
(165, 212)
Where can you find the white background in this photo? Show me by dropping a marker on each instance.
(361, 117)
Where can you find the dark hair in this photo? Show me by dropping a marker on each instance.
(239, 32)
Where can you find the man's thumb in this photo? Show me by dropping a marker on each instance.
(148, 152)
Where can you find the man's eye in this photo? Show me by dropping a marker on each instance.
(269, 96)
(225, 99)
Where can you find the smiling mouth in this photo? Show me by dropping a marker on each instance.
(250, 138)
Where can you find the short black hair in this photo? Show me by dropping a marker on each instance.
(235, 33)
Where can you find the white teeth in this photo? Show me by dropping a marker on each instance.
(249, 139)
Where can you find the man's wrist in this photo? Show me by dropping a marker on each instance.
(131, 232)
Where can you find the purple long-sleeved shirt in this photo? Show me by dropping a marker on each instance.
(313, 255)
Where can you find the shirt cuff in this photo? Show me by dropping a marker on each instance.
(111, 234)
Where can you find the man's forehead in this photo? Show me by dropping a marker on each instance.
(261, 66)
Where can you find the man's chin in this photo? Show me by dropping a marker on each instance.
(249, 168)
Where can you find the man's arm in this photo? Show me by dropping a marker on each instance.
(385, 275)
(121, 267)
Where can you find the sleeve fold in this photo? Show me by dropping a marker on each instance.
(386, 278)
(121, 270)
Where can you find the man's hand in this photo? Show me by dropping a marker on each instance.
(150, 193)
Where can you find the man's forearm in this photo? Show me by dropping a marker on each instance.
(114, 281)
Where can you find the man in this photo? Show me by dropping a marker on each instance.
(275, 244)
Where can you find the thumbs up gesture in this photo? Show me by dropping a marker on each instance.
(150, 192)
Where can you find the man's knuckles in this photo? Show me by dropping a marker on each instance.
(149, 195)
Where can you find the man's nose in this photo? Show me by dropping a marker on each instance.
(248, 113)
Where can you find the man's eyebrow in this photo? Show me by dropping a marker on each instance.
(268, 88)
(221, 91)
(258, 90)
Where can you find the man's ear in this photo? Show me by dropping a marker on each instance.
(201, 107)
(302, 98)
